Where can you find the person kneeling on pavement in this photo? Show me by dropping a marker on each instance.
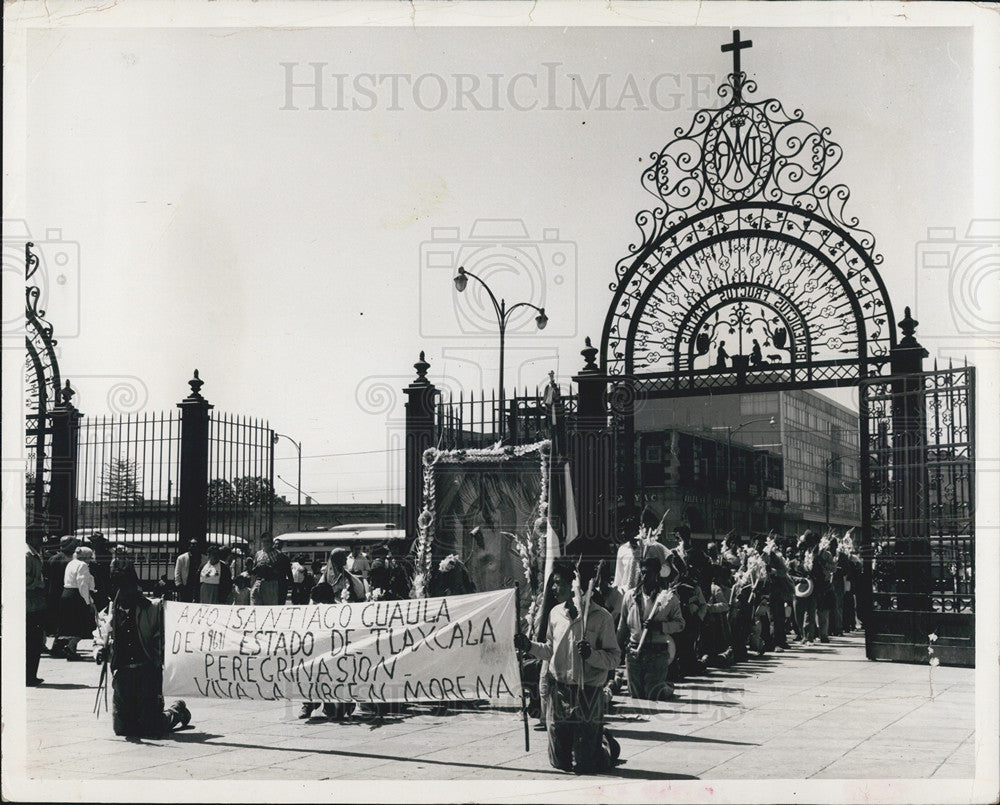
(650, 615)
(579, 656)
(129, 638)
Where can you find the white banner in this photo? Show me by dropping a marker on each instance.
(459, 648)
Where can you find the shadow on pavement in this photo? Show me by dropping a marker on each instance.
(682, 700)
(644, 774)
(645, 735)
(66, 686)
(190, 737)
(202, 737)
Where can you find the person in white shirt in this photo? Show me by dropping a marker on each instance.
(628, 562)
(76, 606)
(187, 579)
(216, 579)
(357, 562)
(650, 615)
(579, 656)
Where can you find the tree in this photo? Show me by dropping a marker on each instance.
(121, 481)
(221, 493)
(254, 491)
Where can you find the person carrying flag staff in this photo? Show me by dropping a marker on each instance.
(581, 648)
(650, 615)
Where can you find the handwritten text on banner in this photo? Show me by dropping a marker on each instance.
(431, 649)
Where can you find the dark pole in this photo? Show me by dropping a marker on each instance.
(729, 477)
(828, 463)
(298, 484)
(520, 662)
(298, 508)
(502, 319)
(271, 494)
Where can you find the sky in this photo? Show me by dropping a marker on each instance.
(300, 258)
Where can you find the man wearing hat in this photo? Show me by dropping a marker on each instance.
(650, 615)
(131, 641)
(187, 573)
(55, 572)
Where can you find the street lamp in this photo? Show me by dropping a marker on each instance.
(298, 486)
(503, 312)
(730, 430)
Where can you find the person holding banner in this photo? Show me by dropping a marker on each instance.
(580, 650)
(650, 615)
(130, 641)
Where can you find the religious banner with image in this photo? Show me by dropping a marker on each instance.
(458, 648)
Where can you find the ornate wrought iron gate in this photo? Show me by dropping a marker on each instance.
(918, 510)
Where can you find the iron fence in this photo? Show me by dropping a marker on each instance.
(129, 483)
(921, 494)
(128, 473)
(471, 421)
(241, 477)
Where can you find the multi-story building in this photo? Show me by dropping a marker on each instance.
(709, 484)
(799, 472)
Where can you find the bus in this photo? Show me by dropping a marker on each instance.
(316, 545)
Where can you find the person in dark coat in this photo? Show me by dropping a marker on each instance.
(34, 608)
(55, 572)
(131, 641)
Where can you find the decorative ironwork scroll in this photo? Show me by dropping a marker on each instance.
(750, 272)
(42, 390)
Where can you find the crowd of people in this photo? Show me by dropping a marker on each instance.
(89, 589)
(667, 608)
(671, 608)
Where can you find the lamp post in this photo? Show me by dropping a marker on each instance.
(503, 312)
(730, 430)
(298, 486)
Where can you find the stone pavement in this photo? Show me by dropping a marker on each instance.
(813, 712)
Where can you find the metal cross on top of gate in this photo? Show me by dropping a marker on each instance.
(736, 46)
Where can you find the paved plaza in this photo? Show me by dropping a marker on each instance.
(820, 712)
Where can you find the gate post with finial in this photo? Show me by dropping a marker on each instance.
(65, 424)
(193, 504)
(420, 401)
(909, 520)
(592, 457)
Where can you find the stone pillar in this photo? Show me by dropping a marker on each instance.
(65, 424)
(909, 453)
(420, 401)
(193, 515)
